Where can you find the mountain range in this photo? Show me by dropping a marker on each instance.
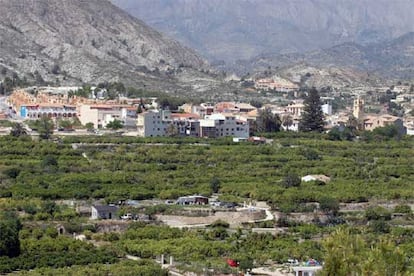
(230, 30)
(390, 59)
(74, 42)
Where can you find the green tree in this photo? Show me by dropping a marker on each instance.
(245, 263)
(215, 184)
(388, 132)
(18, 130)
(329, 204)
(256, 103)
(291, 180)
(115, 124)
(49, 207)
(349, 254)
(44, 127)
(312, 116)
(403, 208)
(377, 213)
(267, 121)
(66, 124)
(9, 235)
(287, 121)
(49, 163)
(89, 126)
(172, 130)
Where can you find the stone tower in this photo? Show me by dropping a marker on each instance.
(358, 111)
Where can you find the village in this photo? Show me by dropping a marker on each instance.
(145, 117)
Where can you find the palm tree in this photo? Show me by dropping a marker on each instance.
(18, 130)
(267, 121)
(287, 121)
(354, 124)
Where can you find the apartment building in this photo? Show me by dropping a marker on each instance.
(153, 123)
(220, 125)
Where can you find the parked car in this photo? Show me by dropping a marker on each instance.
(127, 216)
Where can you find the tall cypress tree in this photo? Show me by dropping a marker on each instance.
(312, 116)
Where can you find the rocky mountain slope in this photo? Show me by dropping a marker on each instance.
(391, 59)
(91, 41)
(241, 29)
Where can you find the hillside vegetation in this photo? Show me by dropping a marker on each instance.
(36, 174)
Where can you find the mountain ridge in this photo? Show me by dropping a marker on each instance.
(393, 59)
(89, 42)
(241, 29)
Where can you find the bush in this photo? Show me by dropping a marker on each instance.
(51, 232)
(291, 180)
(329, 204)
(220, 223)
(405, 209)
(12, 172)
(379, 226)
(377, 213)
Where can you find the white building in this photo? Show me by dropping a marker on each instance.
(224, 125)
(157, 123)
(58, 111)
(327, 105)
(153, 123)
(296, 109)
(101, 115)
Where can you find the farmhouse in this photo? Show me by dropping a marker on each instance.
(104, 212)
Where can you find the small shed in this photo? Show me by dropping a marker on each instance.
(104, 212)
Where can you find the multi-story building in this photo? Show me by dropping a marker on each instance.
(162, 123)
(326, 105)
(371, 122)
(103, 114)
(153, 123)
(224, 125)
(187, 124)
(232, 107)
(296, 109)
(270, 84)
(57, 111)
